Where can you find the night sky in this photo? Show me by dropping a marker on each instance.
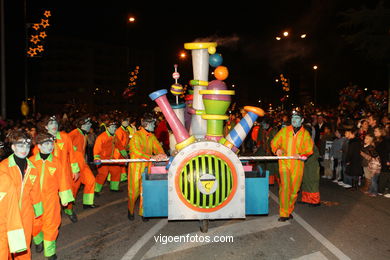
(245, 34)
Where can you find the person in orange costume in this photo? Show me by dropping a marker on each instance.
(292, 140)
(123, 135)
(54, 187)
(79, 141)
(108, 146)
(12, 239)
(64, 151)
(143, 145)
(25, 178)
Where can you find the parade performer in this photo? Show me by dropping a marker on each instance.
(25, 178)
(311, 180)
(132, 128)
(79, 141)
(65, 152)
(123, 135)
(293, 140)
(143, 145)
(54, 189)
(108, 146)
(12, 239)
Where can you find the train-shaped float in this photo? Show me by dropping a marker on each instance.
(205, 179)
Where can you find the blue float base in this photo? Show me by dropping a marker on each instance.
(155, 194)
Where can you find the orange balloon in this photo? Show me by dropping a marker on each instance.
(221, 73)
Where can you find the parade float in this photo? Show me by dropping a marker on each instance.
(204, 179)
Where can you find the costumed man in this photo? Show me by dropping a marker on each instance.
(25, 178)
(311, 180)
(55, 188)
(292, 140)
(123, 135)
(143, 145)
(65, 152)
(108, 146)
(79, 141)
(132, 128)
(12, 239)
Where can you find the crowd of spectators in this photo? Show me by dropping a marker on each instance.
(350, 145)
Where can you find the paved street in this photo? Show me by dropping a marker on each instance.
(349, 225)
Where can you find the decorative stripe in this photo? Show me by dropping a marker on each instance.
(66, 196)
(38, 238)
(49, 248)
(38, 209)
(16, 240)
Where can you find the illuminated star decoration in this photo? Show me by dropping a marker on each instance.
(47, 13)
(36, 39)
(36, 26)
(45, 23)
(42, 34)
(32, 52)
(40, 48)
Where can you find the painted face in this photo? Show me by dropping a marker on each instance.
(86, 127)
(125, 123)
(265, 125)
(52, 127)
(21, 148)
(111, 129)
(150, 126)
(46, 147)
(296, 121)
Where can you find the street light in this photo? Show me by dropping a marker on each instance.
(131, 19)
(183, 55)
(315, 68)
(285, 34)
(303, 36)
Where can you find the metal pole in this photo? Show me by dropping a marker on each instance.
(388, 93)
(242, 158)
(315, 86)
(2, 54)
(25, 55)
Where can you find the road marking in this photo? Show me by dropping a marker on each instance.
(317, 235)
(239, 229)
(313, 256)
(88, 212)
(144, 239)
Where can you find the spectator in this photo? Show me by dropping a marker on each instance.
(336, 153)
(382, 144)
(353, 166)
(368, 151)
(326, 141)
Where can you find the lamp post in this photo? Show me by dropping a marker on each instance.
(130, 20)
(2, 55)
(315, 68)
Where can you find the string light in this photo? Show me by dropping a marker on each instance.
(133, 77)
(36, 39)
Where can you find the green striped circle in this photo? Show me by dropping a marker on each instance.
(191, 175)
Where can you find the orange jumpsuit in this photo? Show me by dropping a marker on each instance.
(54, 186)
(79, 141)
(124, 137)
(108, 146)
(12, 239)
(291, 171)
(29, 197)
(143, 145)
